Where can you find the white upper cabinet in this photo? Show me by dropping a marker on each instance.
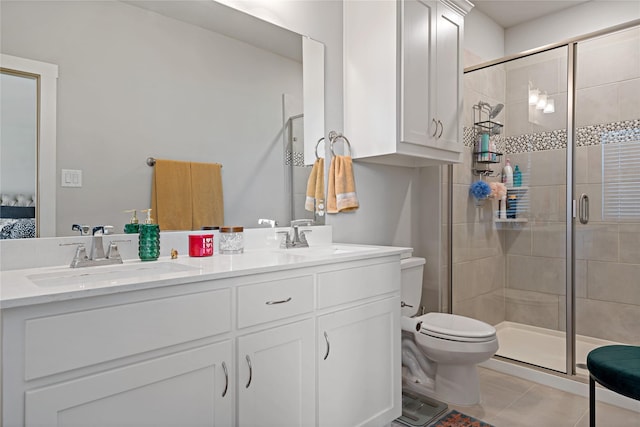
(403, 80)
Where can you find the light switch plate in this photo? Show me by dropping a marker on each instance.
(71, 178)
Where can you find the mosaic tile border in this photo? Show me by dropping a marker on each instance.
(608, 133)
(296, 158)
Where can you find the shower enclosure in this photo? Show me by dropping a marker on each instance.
(563, 276)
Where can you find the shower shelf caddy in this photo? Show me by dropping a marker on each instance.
(519, 210)
(482, 160)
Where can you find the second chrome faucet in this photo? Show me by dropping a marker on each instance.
(296, 238)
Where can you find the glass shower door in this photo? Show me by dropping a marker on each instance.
(607, 190)
(511, 272)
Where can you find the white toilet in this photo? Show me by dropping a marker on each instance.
(440, 351)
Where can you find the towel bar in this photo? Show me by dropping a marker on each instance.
(318, 143)
(334, 136)
(151, 161)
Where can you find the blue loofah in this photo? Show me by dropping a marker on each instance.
(480, 190)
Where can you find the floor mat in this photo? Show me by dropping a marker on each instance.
(454, 418)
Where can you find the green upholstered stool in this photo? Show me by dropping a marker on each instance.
(616, 367)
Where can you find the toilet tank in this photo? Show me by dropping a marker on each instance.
(411, 285)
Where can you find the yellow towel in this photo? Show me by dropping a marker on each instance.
(314, 201)
(342, 186)
(206, 191)
(171, 195)
(186, 195)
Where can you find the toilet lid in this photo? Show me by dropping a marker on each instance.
(456, 328)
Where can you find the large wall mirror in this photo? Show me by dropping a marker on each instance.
(184, 80)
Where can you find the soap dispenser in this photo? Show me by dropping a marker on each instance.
(149, 239)
(132, 227)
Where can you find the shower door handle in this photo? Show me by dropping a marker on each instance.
(583, 208)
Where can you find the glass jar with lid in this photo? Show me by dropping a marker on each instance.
(231, 240)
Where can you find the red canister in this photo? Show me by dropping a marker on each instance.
(200, 245)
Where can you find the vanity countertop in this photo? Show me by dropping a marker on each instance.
(48, 284)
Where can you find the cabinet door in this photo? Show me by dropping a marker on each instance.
(186, 389)
(449, 76)
(418, 120)
(359, 365)
(276, 377)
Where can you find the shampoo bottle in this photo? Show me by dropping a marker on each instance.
(133, 227)
(517, 177)
(507, 174)
(484, 147)
(149, 239)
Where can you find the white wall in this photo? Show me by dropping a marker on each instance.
(483, 38)
(575, 21)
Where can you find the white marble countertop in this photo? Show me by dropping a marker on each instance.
(47, 284)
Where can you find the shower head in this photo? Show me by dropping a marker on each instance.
(495, 111)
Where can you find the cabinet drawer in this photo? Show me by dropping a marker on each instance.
(352, 284)
(278, 299)
(69, 341)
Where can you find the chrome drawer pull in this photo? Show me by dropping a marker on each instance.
(250, 371)
(278, 302)
(226, 379)
(326, 338)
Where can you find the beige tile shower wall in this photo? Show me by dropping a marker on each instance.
(610, 93)
(535, 251)
(608, 303)
(607, 251)
(478, 260)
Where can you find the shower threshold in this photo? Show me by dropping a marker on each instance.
(543, 347)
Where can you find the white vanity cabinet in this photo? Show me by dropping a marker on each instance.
(188, 388)
(403, 81)
(276, 376)
(276, 379)
(359, 359)
(152, 358)
(317, 345)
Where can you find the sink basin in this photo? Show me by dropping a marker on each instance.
(108, 273)
(328, 250)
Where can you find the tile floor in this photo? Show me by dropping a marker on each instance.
(509, 401)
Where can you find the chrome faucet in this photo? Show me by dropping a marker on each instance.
(96, 255)
(296, 238)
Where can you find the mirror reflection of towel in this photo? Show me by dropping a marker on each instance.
(314, 201)
(186, 195)
(342, 186)
(206, 193)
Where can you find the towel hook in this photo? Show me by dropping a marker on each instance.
(318, 143)
(334, 136)
(151, 161)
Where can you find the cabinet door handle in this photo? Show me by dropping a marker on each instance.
(441, 129)
(250, 371)
(282, 301)
(436, 129)
(226, 379)
(326, 338)
(583, 209)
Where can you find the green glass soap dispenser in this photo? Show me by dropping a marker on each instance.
(133, 227)
(149, 239)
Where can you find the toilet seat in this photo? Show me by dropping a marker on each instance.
(456, 328)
